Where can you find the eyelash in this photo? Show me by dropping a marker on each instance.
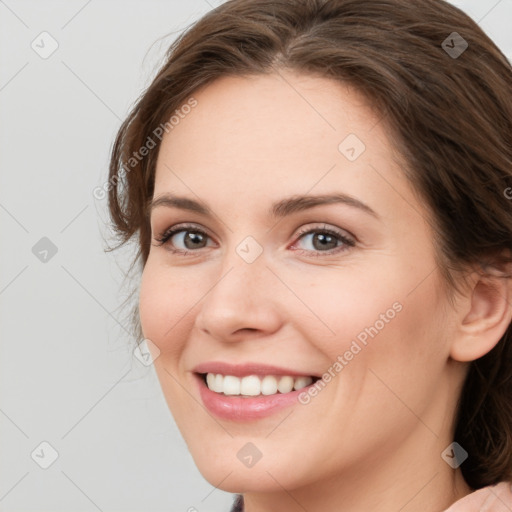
(166, 235)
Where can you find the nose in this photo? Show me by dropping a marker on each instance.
(241, 303)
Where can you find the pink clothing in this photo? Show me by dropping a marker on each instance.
(494, 498)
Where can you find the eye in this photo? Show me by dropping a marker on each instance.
(188, 235)
(324, 240)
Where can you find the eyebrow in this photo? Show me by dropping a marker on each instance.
(281, 208)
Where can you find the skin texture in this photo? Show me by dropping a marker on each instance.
(372, 438)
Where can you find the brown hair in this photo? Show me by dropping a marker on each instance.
(451, 120)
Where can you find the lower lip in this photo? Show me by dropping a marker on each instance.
(237, 408)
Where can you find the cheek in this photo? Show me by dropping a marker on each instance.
(350, 307)
(166, 315)
(165, 301)
(404, 350)
(390, 350)
(382, 321)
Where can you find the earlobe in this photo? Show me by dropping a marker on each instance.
(482, 326)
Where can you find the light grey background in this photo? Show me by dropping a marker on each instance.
(68, 376)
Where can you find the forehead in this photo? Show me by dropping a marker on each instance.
(268, 135)
(286, 116)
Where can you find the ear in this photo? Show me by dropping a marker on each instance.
(485, 315)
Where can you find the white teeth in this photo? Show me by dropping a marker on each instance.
(249, 386)
(285, 384)
(231, 385)
(269, 385)
(210, 381)
(302, 382)
(252, 385)
(218, 384)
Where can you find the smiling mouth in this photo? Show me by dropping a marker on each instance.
(255, 385)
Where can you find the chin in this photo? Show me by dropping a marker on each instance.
(224, 467)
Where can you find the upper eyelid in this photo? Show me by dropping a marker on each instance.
(181, 227)
(190, 226)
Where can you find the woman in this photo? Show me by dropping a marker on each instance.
(340, 337)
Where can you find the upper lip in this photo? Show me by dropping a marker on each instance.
(243, 370)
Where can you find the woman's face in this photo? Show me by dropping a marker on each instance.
(265, 290)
